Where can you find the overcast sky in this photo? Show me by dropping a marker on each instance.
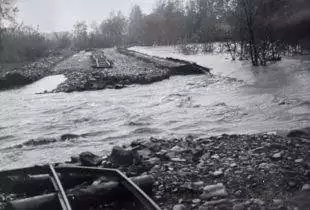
(60, 15)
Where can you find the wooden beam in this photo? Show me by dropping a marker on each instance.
(82, 197)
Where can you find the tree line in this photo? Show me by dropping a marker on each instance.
(257, 30)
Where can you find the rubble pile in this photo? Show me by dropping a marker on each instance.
(114, 69)
(99, 69)
(28, 73)
(262, 171)
(125, 71)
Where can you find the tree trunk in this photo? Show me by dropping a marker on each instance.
(83, 197)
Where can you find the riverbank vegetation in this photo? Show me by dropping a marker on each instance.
(259, 31)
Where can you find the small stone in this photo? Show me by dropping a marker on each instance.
(69, 136)
(233, 165)
(291, 183)
(176, 159)
(305, 187)
(215, 156)
(144, 153)
(217, 190)
(218, 173)
(170, 155)
(75, 159)
(265, 166)
(217, 204)
(249, 177)
(177, 148)
(198, 183)
(277, 156)
(258, 201)
(240, 206)
(90, 159)
(258, 150)
(179, 207)
(238, 193)
(2, 199)
(299, 160)
(158, 197)
(155, 168)
(162, 155)
(153, 161)
(197, 200)
(183, 173)
(277, 202)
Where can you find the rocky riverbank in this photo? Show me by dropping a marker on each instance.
(98, 69)
(261, 171)
(24, 74)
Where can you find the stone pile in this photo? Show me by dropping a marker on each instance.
(124, 69)
(263, 171)
(28, 73)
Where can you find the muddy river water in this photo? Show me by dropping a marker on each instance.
(276, 98)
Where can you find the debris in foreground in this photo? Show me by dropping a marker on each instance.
(261, 171)
(69, 187)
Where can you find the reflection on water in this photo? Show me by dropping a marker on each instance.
(182, 105)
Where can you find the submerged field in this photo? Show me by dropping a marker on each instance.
(237, 99)
(186, 117)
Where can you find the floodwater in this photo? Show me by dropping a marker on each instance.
(274, 98)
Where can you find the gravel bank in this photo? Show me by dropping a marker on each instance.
(116, 70)
(25, 74)
(262, 171)
(125, 70)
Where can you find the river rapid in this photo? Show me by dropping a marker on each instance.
(274, 98)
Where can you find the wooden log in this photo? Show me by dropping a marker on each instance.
(37, 184)
(48, 201)
(81, 198)
(28, 184)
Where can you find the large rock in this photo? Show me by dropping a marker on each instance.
(123, 156)
(301, 133)
(69, 136)
(216, 190)
(90, 159)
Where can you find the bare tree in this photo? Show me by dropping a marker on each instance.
(7, 12)
(62, 40)
(113, 29)
(135, 27)
(80, 35)
(246, 11)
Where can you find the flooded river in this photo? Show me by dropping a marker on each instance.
(273, 98)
